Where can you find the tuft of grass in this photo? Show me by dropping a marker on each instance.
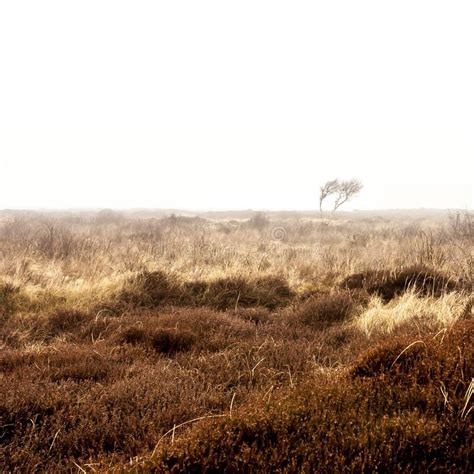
(411, 308)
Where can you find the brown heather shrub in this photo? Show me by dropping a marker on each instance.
(325, 310)
(254, 315)
(10, 296)
(151, 289)
(112, 401)
(105, 402)
(229, 293)
(169, 341)
(390, 416)
(134, 335)
(201, 330)
(65, 362)
(337, 337)
(389, 284)
(327, 427)
(66, 320)
(447, 358)
(11, 360)
(78, 370)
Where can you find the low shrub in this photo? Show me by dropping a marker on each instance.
(150, 289)
(66, 320)
(447, 359)
(162, 340)
(389, 284)
(294, 410)
(133, 335)
(269, 292)
(325, 310)
(336, 428)
(258, 221)
(11, 360)
(254, 315)
(10, 296)
(79, 370)
(170, 341)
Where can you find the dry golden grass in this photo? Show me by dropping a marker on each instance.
(80, 260)
(410, 308)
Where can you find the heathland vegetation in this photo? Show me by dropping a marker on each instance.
(236, 342)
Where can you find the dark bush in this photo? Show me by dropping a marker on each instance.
(325, 310)
(80, 370)
(64, 320)
(11, 360)
(170, 341)
(149, 289)
(268, 292)
(400, 357)
(258, 221)
(254, 315)
(389, 284)
(9, 299)
(162, 340)
(446, 359)
(133, 335)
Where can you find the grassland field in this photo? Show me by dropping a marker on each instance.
(236, 342)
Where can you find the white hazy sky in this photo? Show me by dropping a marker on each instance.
(243, 104)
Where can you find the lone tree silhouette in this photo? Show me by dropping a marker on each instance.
(342, 191)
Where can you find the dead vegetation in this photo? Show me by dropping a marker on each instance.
(152, 289)
(391, 283)
(171, 345)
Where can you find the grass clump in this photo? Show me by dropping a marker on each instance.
(412, 309)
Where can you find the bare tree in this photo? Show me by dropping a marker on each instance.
(347, 190)
(327, 190)
(343, 191)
